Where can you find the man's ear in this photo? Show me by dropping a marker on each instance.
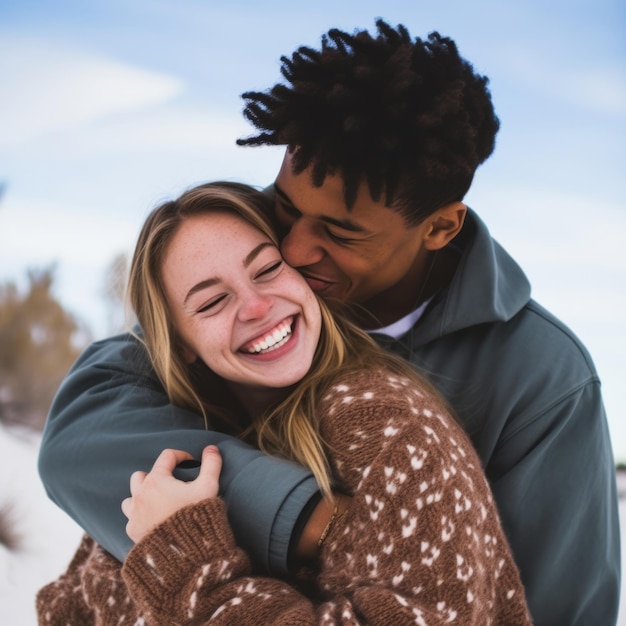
(444, 225)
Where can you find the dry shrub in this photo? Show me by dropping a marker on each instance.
(10, 537)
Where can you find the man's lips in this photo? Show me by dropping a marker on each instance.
(317, 284)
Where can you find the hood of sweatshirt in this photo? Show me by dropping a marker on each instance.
(488, 286)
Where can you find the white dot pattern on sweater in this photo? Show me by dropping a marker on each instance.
(420, 542)
(452, 484)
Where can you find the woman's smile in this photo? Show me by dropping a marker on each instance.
(272, 340)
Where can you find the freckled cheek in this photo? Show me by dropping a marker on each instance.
(210, 342)
(307, 297)
(293, 286)
(217, 359)
(312, 312)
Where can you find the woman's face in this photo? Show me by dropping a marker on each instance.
(237, 305)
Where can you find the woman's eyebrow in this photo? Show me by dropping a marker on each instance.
(255, 253)
(203, 284)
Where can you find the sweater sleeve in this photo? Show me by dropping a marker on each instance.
(111, 417)
(420, 543)
(64, 601)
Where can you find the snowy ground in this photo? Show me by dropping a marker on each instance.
(50, 537)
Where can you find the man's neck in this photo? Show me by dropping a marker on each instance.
(408, 294)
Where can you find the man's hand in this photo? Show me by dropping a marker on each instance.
(157, 495)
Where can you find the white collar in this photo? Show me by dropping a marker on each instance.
(404, 324)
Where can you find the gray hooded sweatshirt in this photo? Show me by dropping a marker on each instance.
(521, 383)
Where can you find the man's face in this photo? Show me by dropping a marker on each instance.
(367, 255)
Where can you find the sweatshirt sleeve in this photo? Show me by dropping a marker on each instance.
(112, 417)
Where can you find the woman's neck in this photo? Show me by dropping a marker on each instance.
(255, 400)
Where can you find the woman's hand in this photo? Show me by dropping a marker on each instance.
(157, 495)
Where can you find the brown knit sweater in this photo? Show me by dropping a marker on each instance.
(420, 544)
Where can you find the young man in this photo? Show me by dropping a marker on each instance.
(383, 135)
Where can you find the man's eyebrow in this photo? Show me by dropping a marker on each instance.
(209, 282)
(344, 224)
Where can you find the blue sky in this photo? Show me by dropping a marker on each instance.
(108, 107)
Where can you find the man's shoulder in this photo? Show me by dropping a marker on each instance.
(508, 371)
(532, 339)
(538, 333)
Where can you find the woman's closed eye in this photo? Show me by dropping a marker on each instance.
(213, 305)
(266, 273)
(270, 271)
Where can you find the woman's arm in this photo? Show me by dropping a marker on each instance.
(421, 540)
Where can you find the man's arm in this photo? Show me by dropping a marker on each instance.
(554, 482)
(111, 417)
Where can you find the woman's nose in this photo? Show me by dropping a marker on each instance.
(254, 305)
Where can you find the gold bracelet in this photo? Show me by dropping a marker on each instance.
(333, 518)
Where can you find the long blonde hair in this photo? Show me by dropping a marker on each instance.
(289, 430)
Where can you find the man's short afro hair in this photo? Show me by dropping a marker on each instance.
(408, 116)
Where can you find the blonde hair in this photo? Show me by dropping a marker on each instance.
(290, 429)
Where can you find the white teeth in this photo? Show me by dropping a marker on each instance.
(272, 341)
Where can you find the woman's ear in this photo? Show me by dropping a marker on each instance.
(444, 225)
(189, 356)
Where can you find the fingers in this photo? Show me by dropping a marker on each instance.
(168, 460)
(208, 480)
(164, 465)
(211, 464)
(127, 505)
(136, 480)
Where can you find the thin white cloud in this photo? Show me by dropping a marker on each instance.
(547, 227)
(603, 89)
(598, 88)
(55, 87)
(35, 234)
(146, 153)
(171, 129)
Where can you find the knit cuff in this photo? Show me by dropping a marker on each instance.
(193, 536)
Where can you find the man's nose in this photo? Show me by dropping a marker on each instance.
(300, 246)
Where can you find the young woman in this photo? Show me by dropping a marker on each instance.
(233, 331)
